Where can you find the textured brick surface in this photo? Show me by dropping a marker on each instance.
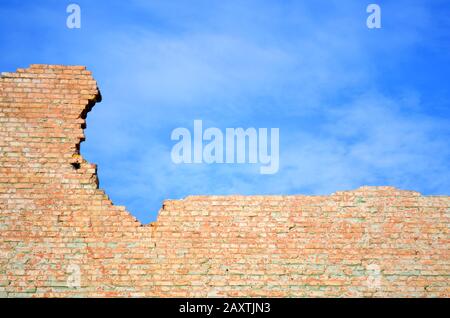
(374, 241)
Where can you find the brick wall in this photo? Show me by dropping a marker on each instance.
(56, 223)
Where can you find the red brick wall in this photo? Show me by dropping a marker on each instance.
(374, 241)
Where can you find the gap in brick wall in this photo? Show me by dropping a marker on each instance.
(115, 170)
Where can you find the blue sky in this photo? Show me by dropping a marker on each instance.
(354, 106)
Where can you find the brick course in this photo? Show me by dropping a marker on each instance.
(373, 241)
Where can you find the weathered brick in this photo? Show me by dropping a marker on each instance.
(57, 226)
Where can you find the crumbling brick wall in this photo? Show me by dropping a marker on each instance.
(56, 223)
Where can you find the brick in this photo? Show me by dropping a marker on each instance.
(56, 223)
